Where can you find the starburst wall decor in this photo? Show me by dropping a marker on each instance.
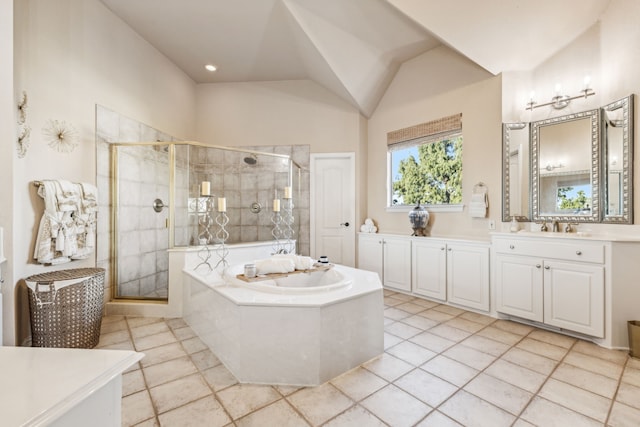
(61, 136)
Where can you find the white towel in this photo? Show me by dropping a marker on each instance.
(68, 195)
(478, 205)
(51, 238)
(275, 265)
(300, 262)
(368, 226)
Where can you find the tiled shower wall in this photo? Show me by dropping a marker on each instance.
(144, 176)
(244, 184)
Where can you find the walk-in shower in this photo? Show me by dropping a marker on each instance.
(150, 199)
(157, 203)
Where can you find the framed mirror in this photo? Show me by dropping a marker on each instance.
(515, 172)
(617, 161)
(565, 163)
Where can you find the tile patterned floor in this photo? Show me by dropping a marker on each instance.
(442, 366)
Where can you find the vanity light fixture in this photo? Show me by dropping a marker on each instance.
(552, 166)
(560, 101)
(210, 67)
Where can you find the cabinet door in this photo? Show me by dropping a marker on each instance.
(370, 253)
(429, 269)
(468, 275)
(396, 268)
(574, 297)
(519, 286)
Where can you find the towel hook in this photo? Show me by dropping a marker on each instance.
(480, 186)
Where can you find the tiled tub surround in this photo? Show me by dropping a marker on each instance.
(287, 336)
(442, 366)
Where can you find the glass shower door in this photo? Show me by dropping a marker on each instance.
(141, 221)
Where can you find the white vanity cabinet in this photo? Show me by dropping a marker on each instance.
(389, 256)
(468, 275)
(559, 283)
(446, 270)
(429, 268)
(370, 252)
(457, 272)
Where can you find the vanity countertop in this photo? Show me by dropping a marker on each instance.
(451, 237)
(41, 384)
(608, 237)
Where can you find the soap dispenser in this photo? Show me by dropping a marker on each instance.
(514, 225)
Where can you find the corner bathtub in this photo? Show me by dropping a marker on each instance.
(302, 330)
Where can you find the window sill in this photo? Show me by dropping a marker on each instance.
(429, 208)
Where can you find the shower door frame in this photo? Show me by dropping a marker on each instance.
(114, 223)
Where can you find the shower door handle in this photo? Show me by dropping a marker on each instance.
(158, 205)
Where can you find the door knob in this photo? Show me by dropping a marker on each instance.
(344, 224)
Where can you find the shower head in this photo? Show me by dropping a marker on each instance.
(251, 159)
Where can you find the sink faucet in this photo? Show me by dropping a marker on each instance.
(543, 227)
(556, 226)
(568, 228)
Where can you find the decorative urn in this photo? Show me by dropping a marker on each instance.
(419, 218)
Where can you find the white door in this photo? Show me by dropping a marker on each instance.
(333, 206)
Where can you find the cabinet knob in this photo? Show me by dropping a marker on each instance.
(511, 247)
(442, 248)
(538, 266)
(578, 252)
(546, 267)
(449, 249)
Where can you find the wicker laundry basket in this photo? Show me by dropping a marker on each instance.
(66, 307)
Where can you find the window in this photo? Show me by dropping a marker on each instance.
(425, 164)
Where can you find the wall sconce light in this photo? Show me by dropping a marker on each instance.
(552, 166)
(560, 101)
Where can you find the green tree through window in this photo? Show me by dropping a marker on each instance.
(429, 173)
(580, 201)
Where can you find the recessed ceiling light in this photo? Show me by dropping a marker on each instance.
(210, 67)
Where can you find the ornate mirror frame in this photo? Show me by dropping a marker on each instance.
(623, 112)
(508, 131)
(594, 117)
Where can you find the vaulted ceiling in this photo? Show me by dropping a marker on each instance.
(351, 47)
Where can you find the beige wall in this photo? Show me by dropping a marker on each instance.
(276, 113)
(69, 56)
(296, 112)
(7, 150)
(437, 84)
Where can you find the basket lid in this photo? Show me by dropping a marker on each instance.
(62, 278)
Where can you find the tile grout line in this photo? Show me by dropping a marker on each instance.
(615, 394)
(144, 377)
